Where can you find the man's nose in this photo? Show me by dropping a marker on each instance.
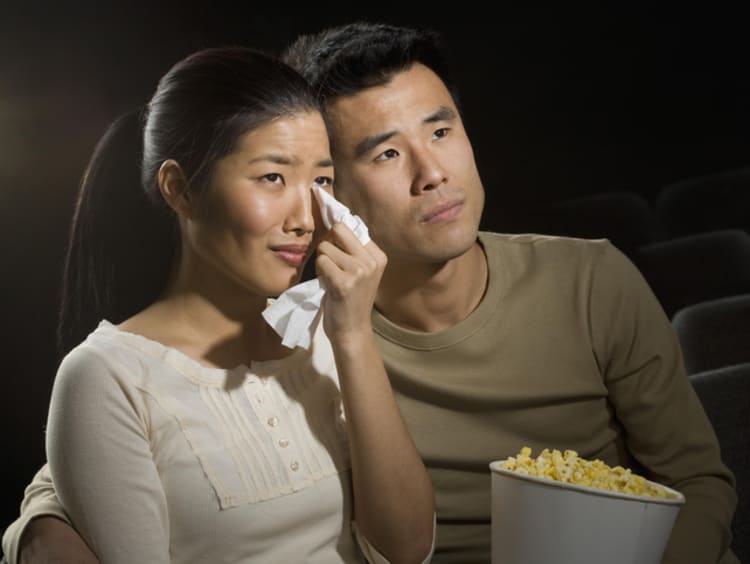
(428, 170)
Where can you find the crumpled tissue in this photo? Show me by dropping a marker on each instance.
(295, 314)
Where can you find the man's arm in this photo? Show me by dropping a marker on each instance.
(665, 426)
(42, 532)
(48, 539)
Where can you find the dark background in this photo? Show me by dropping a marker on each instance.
(557, 104)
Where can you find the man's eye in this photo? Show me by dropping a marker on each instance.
(440, 133)
(387, 154)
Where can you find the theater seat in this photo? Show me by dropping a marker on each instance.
(725, 394)
(696, 268)
(707, 203)
(623, 217)
(714, 333)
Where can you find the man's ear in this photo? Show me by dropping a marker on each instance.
(174, 187)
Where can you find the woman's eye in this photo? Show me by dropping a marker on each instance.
(273, 177)
(325, 181)
(387, 155)
(440, 133)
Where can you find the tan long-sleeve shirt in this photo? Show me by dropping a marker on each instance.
(569, 349)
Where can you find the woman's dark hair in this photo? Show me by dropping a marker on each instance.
(124, 238)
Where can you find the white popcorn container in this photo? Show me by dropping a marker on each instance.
(538, 520)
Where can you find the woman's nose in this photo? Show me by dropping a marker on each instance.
(300, 218)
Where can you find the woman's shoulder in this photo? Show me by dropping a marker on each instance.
(103, 353)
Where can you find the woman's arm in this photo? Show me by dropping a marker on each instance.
(101, 463)
(393, 497)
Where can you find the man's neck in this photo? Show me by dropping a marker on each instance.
(433, 297)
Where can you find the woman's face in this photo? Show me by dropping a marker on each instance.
(254, 226)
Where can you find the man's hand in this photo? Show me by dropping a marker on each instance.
(49, 540)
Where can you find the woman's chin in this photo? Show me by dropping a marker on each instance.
(282, 287)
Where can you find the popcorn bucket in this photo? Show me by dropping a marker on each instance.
(538, 520)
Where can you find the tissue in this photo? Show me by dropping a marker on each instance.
(295, 314)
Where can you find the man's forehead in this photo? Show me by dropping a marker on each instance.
(410, 96)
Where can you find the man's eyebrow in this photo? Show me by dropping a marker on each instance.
(370, 142)
(324, 163)
(444, 113)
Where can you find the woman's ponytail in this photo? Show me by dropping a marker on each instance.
(121, 244)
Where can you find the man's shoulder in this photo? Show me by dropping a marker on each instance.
(556, 244)
(542, 254)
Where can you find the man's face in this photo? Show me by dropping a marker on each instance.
(405, 165)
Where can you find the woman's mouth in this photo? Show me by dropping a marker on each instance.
(293, 255)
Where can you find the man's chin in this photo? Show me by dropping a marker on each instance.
(455, 242)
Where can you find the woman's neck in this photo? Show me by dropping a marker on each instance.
(219, 325)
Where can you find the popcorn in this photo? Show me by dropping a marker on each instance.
(568, 467)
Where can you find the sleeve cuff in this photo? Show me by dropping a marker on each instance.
(374, 557)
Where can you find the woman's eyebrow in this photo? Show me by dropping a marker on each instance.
(271, 158)
(284, 160)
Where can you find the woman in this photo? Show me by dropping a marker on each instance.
(181, 430)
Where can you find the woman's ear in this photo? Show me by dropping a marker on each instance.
(174, 187)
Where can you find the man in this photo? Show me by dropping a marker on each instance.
(495, 342)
